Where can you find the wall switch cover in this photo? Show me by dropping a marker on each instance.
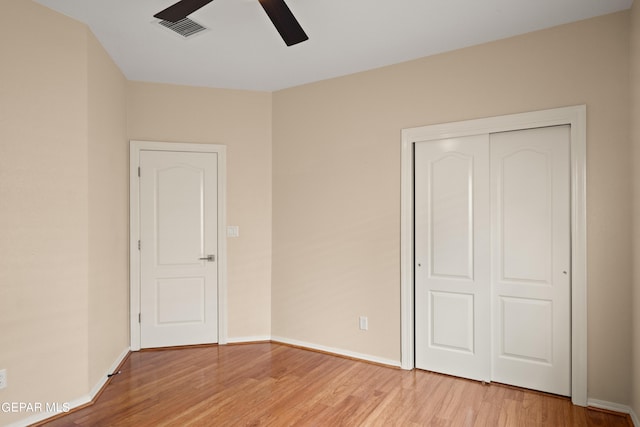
(233, 231)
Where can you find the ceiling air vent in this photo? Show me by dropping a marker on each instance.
(185, 27)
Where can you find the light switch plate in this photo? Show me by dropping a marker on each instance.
(233, 231)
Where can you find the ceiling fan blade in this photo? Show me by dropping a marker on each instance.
(284, 21)
(181, 10)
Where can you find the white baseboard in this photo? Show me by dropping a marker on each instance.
(103, 380)
(609, 406)
(616, 407)
(338, 351)
(44, 415)
(76, 403)
(634, 418)
(240, 340)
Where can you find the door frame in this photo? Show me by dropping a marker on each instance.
(135, 148)
(576, 117)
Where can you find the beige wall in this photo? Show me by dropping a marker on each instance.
(241, 120)
(63, 211)
(43, 206)
(336, 182)
(108, 172)
(635, 141)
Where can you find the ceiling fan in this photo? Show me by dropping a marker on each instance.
(277, 10)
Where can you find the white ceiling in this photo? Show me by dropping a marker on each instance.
(242, 49)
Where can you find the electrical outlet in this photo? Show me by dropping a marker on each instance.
(364, 323)
(3, 378)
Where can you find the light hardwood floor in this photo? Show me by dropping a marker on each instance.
(277, 385)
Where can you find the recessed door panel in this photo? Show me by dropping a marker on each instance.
(179, 213)
(518, 315)
(452, 321)
(180, 300)
(525, 226)
(451, 216)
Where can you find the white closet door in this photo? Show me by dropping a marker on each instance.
(452, 277)
(530, 216)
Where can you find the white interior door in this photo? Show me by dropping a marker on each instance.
(492, 258)
(531, 298)
(452, 268)
(178, 248)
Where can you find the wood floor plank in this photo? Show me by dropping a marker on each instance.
(269, 384)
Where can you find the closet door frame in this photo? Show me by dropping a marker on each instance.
(574, 116)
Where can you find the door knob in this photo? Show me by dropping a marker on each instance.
(210, 258)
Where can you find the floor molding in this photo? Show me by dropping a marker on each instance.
(97, 389)
(79, 403)
(614, 407)
(634, 418)
(37, 419)
(337, 351)
(246, 340)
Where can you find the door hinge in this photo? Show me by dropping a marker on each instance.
(138, 171)
(138, 244)
(139, 317)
